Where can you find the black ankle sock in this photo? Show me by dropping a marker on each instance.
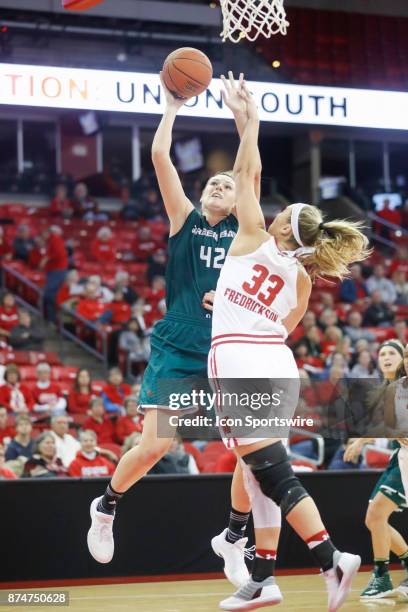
(264, 565)
(381, 567)
(107, 504)
(323, 554)
(237, 525)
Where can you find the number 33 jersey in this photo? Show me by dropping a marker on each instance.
(255, 292)
(196, 255)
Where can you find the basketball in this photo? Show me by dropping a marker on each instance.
(187, 72)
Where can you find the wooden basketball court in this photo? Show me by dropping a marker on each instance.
(300, 593)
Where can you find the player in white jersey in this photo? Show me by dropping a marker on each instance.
(261, 296)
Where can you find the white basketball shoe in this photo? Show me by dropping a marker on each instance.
(339, 578)
(254, 595)
(100, 536)
(234, 555)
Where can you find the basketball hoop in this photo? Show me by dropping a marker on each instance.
(252, 18)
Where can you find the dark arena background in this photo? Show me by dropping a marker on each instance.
(83, 248)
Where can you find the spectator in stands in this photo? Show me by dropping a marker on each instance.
(365, 367)
(130, 209)
(332, 339)
(90, 305)
(55, 265)
(115, 392)
(328, 318)
(401, 331)
(103, 292)
(99, 422)
(89, 463)
(156, 264)
(139, 311)
(6, 250)
(134, 340)
(67, 446)
(21, 446)
(145, 245)
(28, 335)
(14, 395)
(400, 260)
(22, 243)
(45, 462)
(84, 206)
(5, 473)
(157, 291)
(152, 205)
(61, 205)
(103, 248)
(122, 280)
(389, 215)
(312, 341)
(378, 313)
(354, 329)
(308, 321)
(379, 282)
(48, 399)
(130, 422)
(82, 392)
(8, 315)
(7, 431)
(70, 291)
(399, 278)
(118, 311)
(353, 289)
(38, 252)
(176, 461)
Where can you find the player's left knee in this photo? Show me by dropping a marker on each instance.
(272, 469)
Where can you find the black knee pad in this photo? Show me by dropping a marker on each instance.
(271, 468)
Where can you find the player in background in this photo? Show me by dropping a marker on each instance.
(388, 495)
(181, 341)
(261, 296)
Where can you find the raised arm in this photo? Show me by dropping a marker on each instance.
(246, 169)
(232, 97)
(177, 205)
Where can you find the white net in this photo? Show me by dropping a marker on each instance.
(252, 18)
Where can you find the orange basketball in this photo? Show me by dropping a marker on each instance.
(187, 72)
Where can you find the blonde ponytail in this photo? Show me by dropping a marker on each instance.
(337, 243)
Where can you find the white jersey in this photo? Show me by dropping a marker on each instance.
(255, 292)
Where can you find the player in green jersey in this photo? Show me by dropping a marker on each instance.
(180, 342)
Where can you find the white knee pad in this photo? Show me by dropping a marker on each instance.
(265, 512)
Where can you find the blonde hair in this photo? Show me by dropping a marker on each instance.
(337, 243)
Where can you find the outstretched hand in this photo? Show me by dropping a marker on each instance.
(247, 97)
(171, 100)
(231, 94)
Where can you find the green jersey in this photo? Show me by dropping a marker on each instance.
(196, 255)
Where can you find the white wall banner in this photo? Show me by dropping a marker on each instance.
(131, 92)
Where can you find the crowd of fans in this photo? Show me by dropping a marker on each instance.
(47, 429)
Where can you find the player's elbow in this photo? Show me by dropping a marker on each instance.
(244, 174)
(159, 155)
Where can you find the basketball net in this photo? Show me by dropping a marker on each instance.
(252, 18)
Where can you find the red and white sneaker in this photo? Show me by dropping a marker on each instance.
(100, 536)
(339, 578)
(234, 555)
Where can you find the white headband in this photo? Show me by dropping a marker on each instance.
(294, 221)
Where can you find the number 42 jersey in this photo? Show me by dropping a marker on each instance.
(255, 292)
(196, 255)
